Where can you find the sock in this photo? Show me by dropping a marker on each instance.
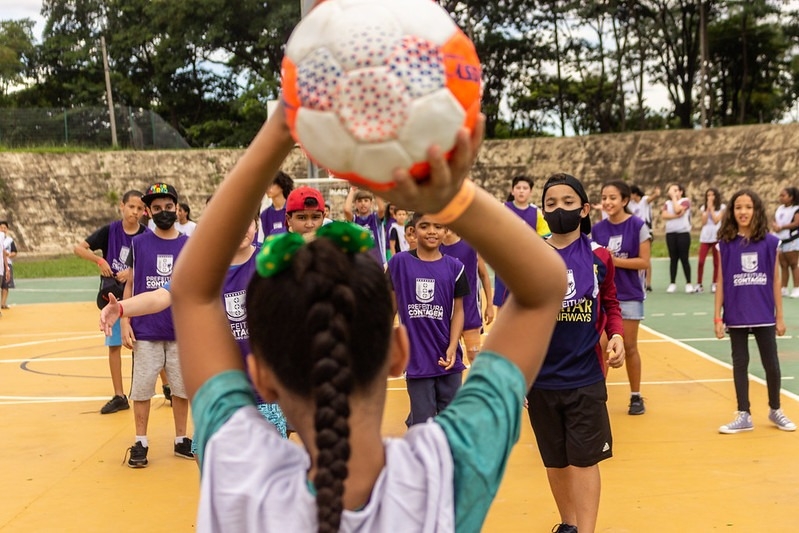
(142, 439)
(179, 440)
(635, 395)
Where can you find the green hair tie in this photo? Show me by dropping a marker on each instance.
(277, 252)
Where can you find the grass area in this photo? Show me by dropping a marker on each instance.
(54, 149)
(68, 266)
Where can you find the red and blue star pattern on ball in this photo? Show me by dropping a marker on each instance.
(419, 64)
(373, 104)
(368, 46)
(317, 80)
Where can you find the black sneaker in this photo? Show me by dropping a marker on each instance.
(564, 528)
(636, 406)
(138, 455)
(117, 403)
(167, 393)
(183, 449)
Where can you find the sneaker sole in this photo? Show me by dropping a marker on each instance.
(183, 456)
(140, 465)
(734, 431)
(636, 413)
(784, 428)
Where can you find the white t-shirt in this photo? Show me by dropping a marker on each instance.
(710, 230)
(3, 251)
(187, 229)
(681, 224)
(784, 216)
(642, 209)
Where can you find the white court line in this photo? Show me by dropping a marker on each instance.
(698, 339)
(27, 400)
(47, 341)
(59, 359)
(60, 334)
(714, 360)
(55, 290)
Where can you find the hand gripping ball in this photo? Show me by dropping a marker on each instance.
(370, 85)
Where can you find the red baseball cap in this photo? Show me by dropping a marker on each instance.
(303, 198)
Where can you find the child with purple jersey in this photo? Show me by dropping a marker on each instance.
(114, 242)
(273, 218)
(363, 208)
(234, 289)
(568, 400)
(627, 238)
(749, 297)
(429, 288)
(152, 337)
(519, 202)
(476, 274)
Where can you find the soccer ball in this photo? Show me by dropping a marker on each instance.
(370, 85)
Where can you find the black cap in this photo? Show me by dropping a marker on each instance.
(159, 190)
(574, 183)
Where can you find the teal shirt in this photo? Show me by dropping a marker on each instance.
(482, 424)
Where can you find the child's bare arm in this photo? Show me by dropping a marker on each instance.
(203, 332)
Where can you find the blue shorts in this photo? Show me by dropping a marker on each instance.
(115, 339)
(632, 310)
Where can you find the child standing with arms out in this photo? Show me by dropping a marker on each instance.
(749, 300)
(359, 207)
(627, 238)
(429, 288)
(712, 211)
(519, 202)
(477, 275)
(568, 400)
(323, 346)
(115, 243)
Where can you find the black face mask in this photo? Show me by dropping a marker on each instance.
(561, 221)
(165, 219)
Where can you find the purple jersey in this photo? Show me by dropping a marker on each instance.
(119, 244)
(373, 224)
(273, 221)
(748, 281)
(624, 241)
(571, 361)
(530, 215)
(425, 293)
(472, 318)
(153, 260)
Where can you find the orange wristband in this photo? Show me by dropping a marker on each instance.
(718, 321)
(120, 310)
(459, 203)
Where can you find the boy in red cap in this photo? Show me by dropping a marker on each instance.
(305, 210)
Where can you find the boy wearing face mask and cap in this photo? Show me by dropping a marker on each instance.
(567, 402)
(152, 337)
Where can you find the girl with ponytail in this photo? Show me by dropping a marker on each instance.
(320, 319)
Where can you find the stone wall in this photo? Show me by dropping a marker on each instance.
(55, 200)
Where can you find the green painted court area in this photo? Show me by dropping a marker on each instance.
(687, 318)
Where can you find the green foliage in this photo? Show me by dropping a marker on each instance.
(56, 267)
(16, 52)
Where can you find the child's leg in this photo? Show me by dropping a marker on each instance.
(472, 343)
(766, 338)
(446, 388)
(704, 248)
(684, 247)
(784, 269)
(422, 394)
(180, 402)
(671, 244)
(632, 358)
(793, 264)
(739, 340)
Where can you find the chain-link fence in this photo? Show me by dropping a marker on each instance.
(137, 128)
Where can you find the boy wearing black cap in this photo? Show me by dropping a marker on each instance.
(567, 402)
(151, 260)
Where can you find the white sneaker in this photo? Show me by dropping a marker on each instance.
(689, 288)
(672, 287)
(780, 420)
(698, 289)
(713, 288)
(785, 291)
(742, 422)
(795, 293)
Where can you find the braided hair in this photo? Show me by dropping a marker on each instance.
(323, 326)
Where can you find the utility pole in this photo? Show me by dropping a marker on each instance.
(703, 53)
(108, 96)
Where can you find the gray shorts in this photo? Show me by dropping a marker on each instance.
(149, 358)
(632, 310)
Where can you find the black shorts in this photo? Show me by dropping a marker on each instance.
(8, 283)
(571, 427)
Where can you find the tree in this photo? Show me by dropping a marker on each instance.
(17, 53)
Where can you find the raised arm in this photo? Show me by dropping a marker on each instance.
(206, 345)
(348, 202)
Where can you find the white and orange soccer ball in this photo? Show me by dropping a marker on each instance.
(370, 85)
